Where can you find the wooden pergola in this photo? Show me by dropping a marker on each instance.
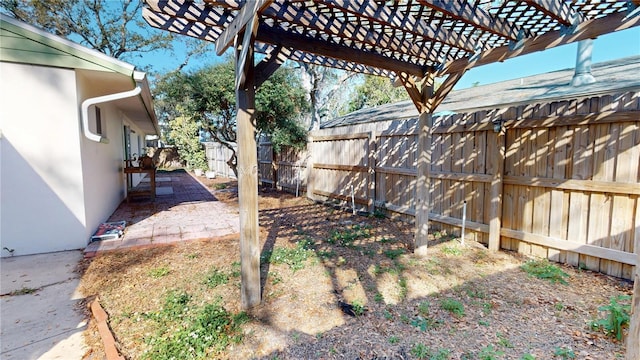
(412, 41)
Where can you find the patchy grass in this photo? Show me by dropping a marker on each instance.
(313, 259)
(543, 269)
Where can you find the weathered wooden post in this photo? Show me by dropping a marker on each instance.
(423, 183)
(247, 168)
(497, 157)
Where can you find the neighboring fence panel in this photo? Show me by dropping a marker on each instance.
(342, 168)
(286, 170)
(570, 187)
(217, 157)
(291, 166)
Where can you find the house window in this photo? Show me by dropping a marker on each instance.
(98, 122)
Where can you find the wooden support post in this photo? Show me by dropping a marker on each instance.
(247, 169)
(495, 211)
(423, 99)
(423, 181)
(425, 123)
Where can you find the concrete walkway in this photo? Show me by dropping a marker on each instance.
(184, 209)
(38, 307)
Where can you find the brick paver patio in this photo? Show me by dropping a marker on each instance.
(184, 209)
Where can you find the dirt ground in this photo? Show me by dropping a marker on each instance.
(361, 264)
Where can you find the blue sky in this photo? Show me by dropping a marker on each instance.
(607, 47)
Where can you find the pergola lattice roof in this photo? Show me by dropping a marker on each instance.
(404, 39)
(411, 36)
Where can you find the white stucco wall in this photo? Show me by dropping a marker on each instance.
(41, 183)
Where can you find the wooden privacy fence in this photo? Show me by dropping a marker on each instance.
(563, 178)
(286, 170)
(217, 157)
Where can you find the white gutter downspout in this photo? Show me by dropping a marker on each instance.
(102, 99)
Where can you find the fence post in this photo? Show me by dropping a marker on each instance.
(310, 180)
(497, 156)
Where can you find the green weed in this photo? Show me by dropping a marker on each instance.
(393, 339)
(393, 253)
(379, 213)
(23, 291)
(564, 353)
(203, 332)
(453, 306)
(358, 308)
(348, 236)
(295, 258)
(275, 278)
(378, 297)
(159, 272)
(423, 308)
(425, 324)
(490, 353)
(236, 269)
(403, 288)
(504, 341)
(216, 278)
(527, 357)
(451, 250)
(422, 351)
(617, 316)
(326, 254)
(558, 306)
(543, 269)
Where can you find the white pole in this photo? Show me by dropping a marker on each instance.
(464, 220)
(353, 201)
(297, 179)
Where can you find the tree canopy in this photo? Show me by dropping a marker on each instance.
(207, 96)
(113, 27)
(374, 91)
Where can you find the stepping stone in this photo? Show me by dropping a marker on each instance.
(158, 179)
(164, 190)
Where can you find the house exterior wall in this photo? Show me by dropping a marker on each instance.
(42, 203)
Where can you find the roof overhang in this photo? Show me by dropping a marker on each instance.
(111, 74)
